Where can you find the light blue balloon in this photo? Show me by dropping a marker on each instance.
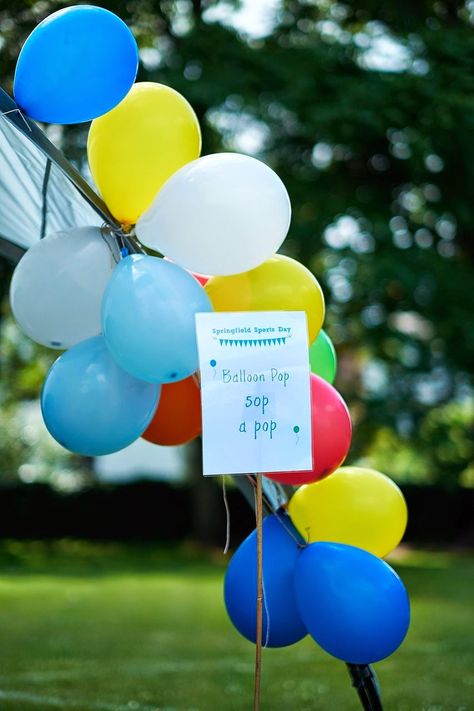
(354, 604)
(76, 65)
(90, 405)
(148, 321)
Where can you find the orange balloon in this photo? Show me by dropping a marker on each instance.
(177, 419)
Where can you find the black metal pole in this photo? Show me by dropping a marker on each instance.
(365, 681)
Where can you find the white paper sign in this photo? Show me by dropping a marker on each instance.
(255, 391)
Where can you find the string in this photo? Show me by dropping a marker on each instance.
(227, 513)
(107, 233)
(267, 613)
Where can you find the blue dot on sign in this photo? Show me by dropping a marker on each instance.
(213, 363)
(296, 429)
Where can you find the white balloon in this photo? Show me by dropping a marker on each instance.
(57, 288)
(222, 214)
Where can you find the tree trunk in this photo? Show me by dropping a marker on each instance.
(206, 501)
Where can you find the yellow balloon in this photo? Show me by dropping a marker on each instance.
(279, 284)
(357, 506)
(136, 147)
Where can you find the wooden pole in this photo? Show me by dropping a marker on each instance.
(258, 647)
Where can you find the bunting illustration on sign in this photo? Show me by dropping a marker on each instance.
(248, 342)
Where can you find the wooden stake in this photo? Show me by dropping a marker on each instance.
(258, 647)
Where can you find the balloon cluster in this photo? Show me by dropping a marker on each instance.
(322, 572)
(127, 320)
(128, 324)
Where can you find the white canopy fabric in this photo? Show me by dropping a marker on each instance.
(36, 198)
(40, 191)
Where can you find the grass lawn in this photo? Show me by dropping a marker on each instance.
(93, 627)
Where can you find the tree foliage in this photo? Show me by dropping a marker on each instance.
(366, 111)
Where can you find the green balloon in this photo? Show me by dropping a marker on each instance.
(322, 357)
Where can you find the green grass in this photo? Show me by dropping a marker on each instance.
(119, 628)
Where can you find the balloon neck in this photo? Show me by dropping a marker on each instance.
(124, 252)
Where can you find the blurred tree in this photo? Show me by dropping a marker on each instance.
(26, 448)
(445, 451)
(366, 111)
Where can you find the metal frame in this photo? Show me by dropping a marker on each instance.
(10, 251)
(274, 499)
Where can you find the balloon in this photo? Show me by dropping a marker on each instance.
(202, 279)
(137, 146)
(177, 419)
(57, 288)
(322, 357)
(280, 283)
(357, 506)
(148, 318)
(353, 604)
(281, 621)
(77, 64)
(222, 214)
(331, 434)
(90, 405)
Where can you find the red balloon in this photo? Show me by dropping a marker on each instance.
(331, 432)
(202, 278)
(177, 419)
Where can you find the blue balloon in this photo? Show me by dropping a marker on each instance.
(354, 604)
(148, 318)
(282, 624)
(76, 65)
(90, 405)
